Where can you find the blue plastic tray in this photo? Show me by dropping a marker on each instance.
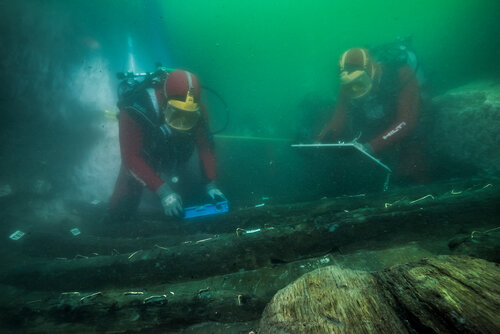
(205, 210)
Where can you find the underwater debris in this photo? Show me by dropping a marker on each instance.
(134, 254)
(17, 235)
(69, 297)
(255, 230)
(70, 293)
(162, 299)
(203, 240)
(79, 256)
(242, 299)
(480, 232)
(133, 293)
(387, 205)
(422, 198)
(324, 260)
(354, 196)
(201, 291)
(91, 296)
(239, 231)
(473, 188)
(34, 301)
(75, 231)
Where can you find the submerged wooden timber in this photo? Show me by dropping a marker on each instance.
(226, 269)
(436, 295)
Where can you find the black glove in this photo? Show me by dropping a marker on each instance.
(170, 201)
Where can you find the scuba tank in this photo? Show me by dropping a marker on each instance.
(131, 82)
(400, 53)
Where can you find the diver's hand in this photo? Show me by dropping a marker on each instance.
(172, 205)
(367, 147)
(214, 192)
(170, 201)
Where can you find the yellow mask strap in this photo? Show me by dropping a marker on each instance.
(344, 55)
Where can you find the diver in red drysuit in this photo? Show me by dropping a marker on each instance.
(160, 127)
(380, 104)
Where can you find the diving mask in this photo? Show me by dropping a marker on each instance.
(356, 84)
(182, 115)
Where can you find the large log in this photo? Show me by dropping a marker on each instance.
(446, 294)
(436, 295)
(286, 234)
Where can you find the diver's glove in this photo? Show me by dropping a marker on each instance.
(214, 192)
(170, 201)
(367, 147)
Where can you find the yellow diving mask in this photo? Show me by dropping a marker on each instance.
(182, 115)
(356, 84)
(357, 71)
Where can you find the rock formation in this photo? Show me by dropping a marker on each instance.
(465, 126)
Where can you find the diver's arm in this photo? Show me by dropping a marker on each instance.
(337, 124)
(131, 150)
(407, 114)
(205, 146)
